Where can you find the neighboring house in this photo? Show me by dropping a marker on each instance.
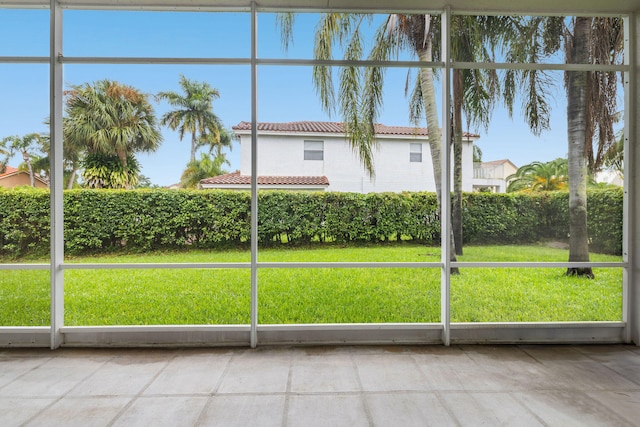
(316, 156)
(611, 177)
(13, 177)
(492, 176)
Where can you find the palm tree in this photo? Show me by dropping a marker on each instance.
(111, 120)
(216, 146)
(359, 97)
(25, 146)
(474, 91)
(537, 176)
(360, 92)
(206, 167)
(193, 113)
(73, 154)
(6, 153)
(591, 103)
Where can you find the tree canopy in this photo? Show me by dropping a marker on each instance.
(193, 113)
(109, 120)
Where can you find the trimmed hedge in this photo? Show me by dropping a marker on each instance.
(140, 220)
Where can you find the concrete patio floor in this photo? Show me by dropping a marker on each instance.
(322, 386)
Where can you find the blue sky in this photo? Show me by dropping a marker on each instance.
(284, 93)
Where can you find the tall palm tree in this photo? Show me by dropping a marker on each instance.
(577, 51)
(537, 176)
(474, 91)
(591, 103)
(24, 145)
(110, 119)
(193, 113)
(206, 167)
(359, 98)
(360, 93)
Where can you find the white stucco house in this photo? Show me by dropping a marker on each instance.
(492, 176)
(312, 155)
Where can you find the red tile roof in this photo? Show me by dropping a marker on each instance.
(9, 170)
(333, 127)
(236, 179)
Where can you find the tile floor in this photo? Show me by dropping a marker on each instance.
(322, 386)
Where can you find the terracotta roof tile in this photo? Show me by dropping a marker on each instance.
(236, 179)
(332, 127)
(9, 170)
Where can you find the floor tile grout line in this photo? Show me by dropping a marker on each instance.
(33, 368)
(287, 396)
(361, 393)
(214, 391)
(637, 383)
(142, 390)
(446, 407)
(587, 357)
(64, 394)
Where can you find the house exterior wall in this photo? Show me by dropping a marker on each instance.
(492, 176)
(280, 155)
(18, 180)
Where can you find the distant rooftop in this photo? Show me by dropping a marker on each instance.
(333, 127)
(236, 179)
(9, 170)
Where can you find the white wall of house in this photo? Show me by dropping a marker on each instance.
(492, 175)
(283, 155)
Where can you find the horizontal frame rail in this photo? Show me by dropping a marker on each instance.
(308, 334)
(272, 265)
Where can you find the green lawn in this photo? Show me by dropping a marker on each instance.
(221, 296)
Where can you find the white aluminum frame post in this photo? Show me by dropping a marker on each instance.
(56, 184)
(632, 180)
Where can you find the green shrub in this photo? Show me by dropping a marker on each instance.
(24, 221)
(141, 220)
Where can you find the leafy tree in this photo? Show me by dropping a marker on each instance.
(112, 122)
(25, 145)
(108, 171)
(206, 167)
(537, 176)
(193, 113)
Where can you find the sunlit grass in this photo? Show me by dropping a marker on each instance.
(316, 295)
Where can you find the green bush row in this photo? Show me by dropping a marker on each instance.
(140, 220)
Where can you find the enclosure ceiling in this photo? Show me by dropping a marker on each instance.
(587, 7)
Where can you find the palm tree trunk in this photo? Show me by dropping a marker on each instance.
(577, 96)
(72, 178)
(193, 147)
(456, 211)
(434, 134)
(27, 160)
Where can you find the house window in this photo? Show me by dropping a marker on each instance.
(314, 150)
(415, 153)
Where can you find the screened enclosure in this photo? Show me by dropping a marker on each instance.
(257, 267)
